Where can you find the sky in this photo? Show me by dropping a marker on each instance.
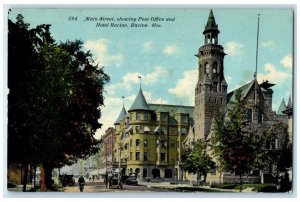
(164, 56)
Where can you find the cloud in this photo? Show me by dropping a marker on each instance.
(102, 55)
(272, 74)
(150, 78)
(287, 61)
(171, 49)
(148, 46)
(268, 44)
(150, 99)
(184, 89)
(109, 114)
(233, 48)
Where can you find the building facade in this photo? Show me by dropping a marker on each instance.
(211, 99)
(149, 139)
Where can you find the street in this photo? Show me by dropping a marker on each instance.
(100, 187)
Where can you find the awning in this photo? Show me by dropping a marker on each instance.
(146, 129)
(128, 129)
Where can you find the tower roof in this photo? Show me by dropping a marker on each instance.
(223, 82)
(290, 104)
(211, 24)
(121, 116)
(281, 107)
(140, 103)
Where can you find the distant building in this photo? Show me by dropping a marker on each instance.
(109, 140)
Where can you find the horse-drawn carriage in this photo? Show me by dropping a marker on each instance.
(114, 180)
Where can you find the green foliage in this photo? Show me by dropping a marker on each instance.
(196, 160)
(55, 94)
(233, 142)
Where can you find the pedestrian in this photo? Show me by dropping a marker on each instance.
(81, 182)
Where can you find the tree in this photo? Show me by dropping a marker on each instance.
(234, 141)
(197, 160)
(277, 153)
(54, 100)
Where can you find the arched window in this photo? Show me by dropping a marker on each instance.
(249, 115)
(207, 66)
(213, 41)
(155, 173)
(168, 173)
(145, 172)
(260, 116)
(214, 67)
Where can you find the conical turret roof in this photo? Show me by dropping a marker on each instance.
(281, 108)
(211, 23)
(121, 116)
(140, 103)
(290, 104)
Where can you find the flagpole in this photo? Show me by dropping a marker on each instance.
(256, 59)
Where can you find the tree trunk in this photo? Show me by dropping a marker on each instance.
(25, 176)
(240, 182)
(46, 176)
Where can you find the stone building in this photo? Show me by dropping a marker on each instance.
(211, 88)
(211, 97)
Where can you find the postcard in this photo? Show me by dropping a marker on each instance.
(146, 100)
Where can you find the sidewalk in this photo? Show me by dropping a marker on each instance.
(167, 185)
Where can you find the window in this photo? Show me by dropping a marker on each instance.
(130, 156)
(172, 144)
(138, 116)
(137, 142)
(163, 118)
(145, 143)
(184, 119)
(162, 156)
(207, 68)
(145, 172)
(163, 130)
(137, 129)
(215, 86)
(260, 116)
(130, 143)
(130, 116)
(125, 146)
(182, 131)
(163, 143)
(214, 67)
(145, 156)
(145, 116)
(249, 115)
(137, 156)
